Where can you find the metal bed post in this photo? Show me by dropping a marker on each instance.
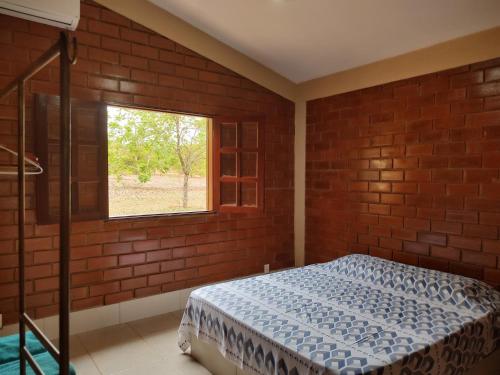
(65, 205)
(21, 181)
(60, 355)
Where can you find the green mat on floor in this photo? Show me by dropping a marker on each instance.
(9, 356)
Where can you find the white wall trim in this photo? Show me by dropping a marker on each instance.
(110, 315)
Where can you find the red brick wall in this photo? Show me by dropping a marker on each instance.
(409, 171)
(112, 261)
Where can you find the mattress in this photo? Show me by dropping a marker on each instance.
(355, 315)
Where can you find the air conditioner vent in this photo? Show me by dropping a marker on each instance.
(60, 13)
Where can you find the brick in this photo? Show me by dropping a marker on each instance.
(489, 218)
(86, 251)
(406, 258)
(118, 297)
(465, 243)
(154, 256)
(492, 74)
(462, 189)
(468, 270)
(115, 71)
(145, 269)
(391, 243)
(183, 252)
(102, 237)
(449, 253)
(144, 51)
(379, 209)
(378, 186)
(392, 199)
(172, 265)
(134, 35)
(133, 61)
(135, 283)
(106, 288)
(161, 42)
(381, 163)
(467, 79)
(161, 278)
(403, 211)
(447, 175)
(480, 175)
(116, 45)
(432, 238)
(491, 159)
(446, 227)
(102, 83)
(391, 175)
(117, 248)
(434, 263)
(190, 273)
(482, 204)
(479, 258)
(103, 56)
(419, 150)
(491, 246)
(404, 187)
(102, 262)
(404, 234)
(368, 175)
(469, 161)
(481, 231)
(457, 148)
(128, 259)
(86, 278)
(416, 248)
(492, 275)
(417, 224)
(117, 273)
(418, 175)
(485, 89)
(87, 303)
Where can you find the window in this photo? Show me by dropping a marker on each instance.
(136, 162)
(157, 162)
(239, 167)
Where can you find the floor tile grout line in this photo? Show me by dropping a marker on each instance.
(88, 354)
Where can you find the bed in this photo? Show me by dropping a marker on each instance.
(355, 315)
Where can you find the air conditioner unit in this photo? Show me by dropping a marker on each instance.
(60, 13)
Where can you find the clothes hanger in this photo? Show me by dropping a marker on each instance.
(13, 171)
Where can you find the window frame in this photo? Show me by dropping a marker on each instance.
(209, 179)
(260, 168)
(43, 216)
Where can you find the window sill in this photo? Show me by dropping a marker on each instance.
(162, 216)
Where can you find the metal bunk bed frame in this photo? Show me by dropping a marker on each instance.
(60, 49)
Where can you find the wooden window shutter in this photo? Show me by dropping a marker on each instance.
(238, 172)
(89, 156)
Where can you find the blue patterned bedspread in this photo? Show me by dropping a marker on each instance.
(355, 315)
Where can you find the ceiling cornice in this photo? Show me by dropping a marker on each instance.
(453, 53)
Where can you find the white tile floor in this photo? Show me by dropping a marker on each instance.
(143, 347)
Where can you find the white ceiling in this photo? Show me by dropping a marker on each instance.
(306, 39)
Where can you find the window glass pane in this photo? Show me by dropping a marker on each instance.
(228, 135)
(228, 164)
(248, 164)
(248, 194)
(157, 162)
(249, 135)
(228, 193)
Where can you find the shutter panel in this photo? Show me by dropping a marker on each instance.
(238, 164)
(89, 156)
